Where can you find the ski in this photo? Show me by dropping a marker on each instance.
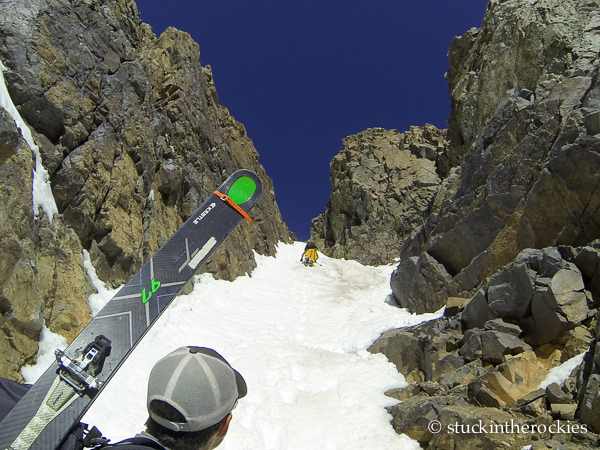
(44, 417)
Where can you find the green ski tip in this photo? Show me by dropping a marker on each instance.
(242, 190)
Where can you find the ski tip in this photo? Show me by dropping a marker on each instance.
(244, 187)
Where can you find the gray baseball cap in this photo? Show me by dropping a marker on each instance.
(197, 382)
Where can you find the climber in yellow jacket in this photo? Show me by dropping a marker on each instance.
(310, 254)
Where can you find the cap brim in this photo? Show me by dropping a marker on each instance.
(241, 384)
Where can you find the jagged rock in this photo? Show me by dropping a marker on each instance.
(550, 355)
(147, 140)
(431, 388)
(590, 404)
(470, 345)
(484, 396)
(427, 349)
(511, 381)
(413, 416)
(130, 130)
(503, 327)
(502, 370)
(421, 284)
(555, 395)
(536, 408)
(510, 291)
(576, 341)
(463, 375)
(560, 306)
(525, 130)
(485, 63)
(541, 292)
(63, 281)
(384, 184)
(401, 348)
(403, 394)
(532, 396)
(495, 345)
(477, 311)
(588, 262)
(42, 277)
(415, 376)
(520, 141)
(454, 305)
(21, 302)
(563, 411)
(441, 363)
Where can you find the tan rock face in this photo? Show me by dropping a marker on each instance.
(21, 302)
(384, 183)
(134, 141)
(516, 378)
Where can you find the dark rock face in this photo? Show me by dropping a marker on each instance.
(422, 284)
(513, 206)
(132, 135)
(542, 293)
(520, 45)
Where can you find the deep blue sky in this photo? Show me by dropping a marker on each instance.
(301, 75)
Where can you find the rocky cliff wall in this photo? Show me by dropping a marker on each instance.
(384, 185)
(528, 142)
(513, 253)
(132, 135)
(520, 44)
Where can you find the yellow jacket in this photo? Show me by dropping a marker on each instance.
(312, 254)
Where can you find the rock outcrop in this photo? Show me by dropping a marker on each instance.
(384, 186)
(520, 45)
(517, 168)
(487, 359)
(524, 127)
(132, 135)
(512, 254)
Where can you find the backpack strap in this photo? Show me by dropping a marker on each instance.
(137, 443)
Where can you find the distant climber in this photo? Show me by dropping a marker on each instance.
(310, 255)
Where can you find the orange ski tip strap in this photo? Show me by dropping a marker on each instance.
(233, 204)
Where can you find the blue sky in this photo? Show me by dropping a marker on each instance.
(303, 75)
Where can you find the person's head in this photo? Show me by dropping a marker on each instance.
(191, 393)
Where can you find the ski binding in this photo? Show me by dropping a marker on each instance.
(80, 374)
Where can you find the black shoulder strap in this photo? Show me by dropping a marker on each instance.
(137, 443)
(128, 446)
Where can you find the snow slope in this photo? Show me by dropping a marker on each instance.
(299, 337)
